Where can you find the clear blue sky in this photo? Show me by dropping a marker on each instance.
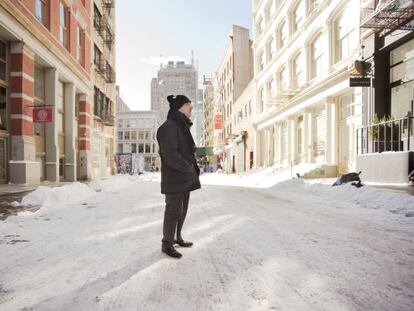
(147, 29)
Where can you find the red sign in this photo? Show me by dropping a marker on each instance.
(218, 122)
(42, 114)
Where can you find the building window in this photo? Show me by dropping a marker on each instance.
(147, 148)
(39, 85)
(271, 49)
(317, 57)
(97, 56)
(282, 79)
(120, 135)
(126, 135)
(271, 87)
(40, 11)
(260, 62)
(109, 38)
(298, 16)
(313, 4)
(282, 34)
(120, 149)
(79, 45)
(140, 148)
(96, 18)
(134, 148)
(346, 34)
(298, 71)
(133, 135)
(259, 27)
(270, 10)
(63, 25)
(260, 100)
(141, 135)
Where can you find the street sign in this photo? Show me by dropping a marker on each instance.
(359, 82)
(42, 114)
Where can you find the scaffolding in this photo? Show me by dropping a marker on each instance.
(386, 16)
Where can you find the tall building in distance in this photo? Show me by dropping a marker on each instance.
(173, 78)
(198, 119)
(104, 90)
(208, 102)
(121, 106)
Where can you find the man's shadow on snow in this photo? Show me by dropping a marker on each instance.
(87, 296)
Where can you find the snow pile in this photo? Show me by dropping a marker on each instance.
(74, 192)
(52, 196)
(261, 179)
(113, 183)
(343, 196)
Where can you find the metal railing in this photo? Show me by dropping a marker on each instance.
(393, 135)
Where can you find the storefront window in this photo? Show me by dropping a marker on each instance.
(402, 79)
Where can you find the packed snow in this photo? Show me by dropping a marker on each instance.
(263, 241)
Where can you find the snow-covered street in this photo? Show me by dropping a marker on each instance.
(293, 246)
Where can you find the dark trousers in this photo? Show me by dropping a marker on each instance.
(176, 206)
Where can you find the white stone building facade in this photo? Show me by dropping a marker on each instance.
(305, 110)
(136, 133)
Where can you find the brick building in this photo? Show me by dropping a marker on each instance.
(45, 61)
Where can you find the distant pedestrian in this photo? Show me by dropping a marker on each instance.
(179, 171)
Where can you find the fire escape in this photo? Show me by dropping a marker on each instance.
(103, 67)
(386, 16)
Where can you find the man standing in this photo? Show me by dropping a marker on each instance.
(179, 171)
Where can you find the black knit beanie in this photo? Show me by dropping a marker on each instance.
(177, 101)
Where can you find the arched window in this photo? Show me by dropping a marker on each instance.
(260, 61)
(271, 49)
(260, 99)
(282, 79)
(313, 4)
(283, 34)
(317, 56)
(271, 87)
(298, 70)
(298, 15)
(346, 33)
(259, 26)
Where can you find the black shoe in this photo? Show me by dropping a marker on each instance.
(182, 243)
(170, 251)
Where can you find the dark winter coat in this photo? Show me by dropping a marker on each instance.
(179, 169)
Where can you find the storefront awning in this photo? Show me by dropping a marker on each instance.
(387, 15)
